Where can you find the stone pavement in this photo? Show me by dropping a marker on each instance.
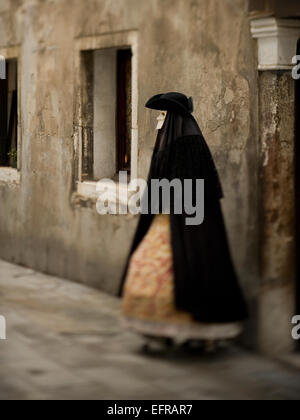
(64, 341)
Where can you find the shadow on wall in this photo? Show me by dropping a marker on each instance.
(288, 8)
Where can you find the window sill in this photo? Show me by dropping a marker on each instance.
(10, 175)
(88, 190)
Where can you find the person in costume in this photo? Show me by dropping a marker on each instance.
(179, 282)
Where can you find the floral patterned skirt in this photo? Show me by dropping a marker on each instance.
(149, 297)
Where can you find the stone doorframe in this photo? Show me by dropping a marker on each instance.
(277, 45)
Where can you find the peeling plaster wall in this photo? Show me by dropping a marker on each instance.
(200, 47)
(277, 294)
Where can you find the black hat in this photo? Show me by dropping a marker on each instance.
(173, 101)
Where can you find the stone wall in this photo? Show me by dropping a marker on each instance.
(277, 292)
(200, 47)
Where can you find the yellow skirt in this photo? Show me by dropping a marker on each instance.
(149, 297)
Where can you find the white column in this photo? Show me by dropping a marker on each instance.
(277, 42)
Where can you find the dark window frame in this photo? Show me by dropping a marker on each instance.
(123, 123)
(124, 110)
(9, 119)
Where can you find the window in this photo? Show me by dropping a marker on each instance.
(106, 109)
(106, 112)
(9, 116)
(124, 110)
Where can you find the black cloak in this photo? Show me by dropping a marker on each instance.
(206, 284)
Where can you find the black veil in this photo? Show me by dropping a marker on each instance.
(181, 152)
(175, 126)
(205, 280)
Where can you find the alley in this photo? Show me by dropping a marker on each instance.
(64, 341)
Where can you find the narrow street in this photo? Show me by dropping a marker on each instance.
(64, 341)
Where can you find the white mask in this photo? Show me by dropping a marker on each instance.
(161, 119)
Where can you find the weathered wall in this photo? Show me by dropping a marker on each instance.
(277, 294)
(200, 47)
